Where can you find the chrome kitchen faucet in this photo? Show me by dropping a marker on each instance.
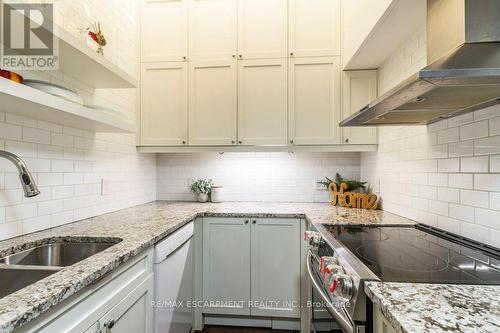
(27, 181)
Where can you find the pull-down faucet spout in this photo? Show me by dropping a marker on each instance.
(27, 181)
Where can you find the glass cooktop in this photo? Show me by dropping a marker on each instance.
(420, 254)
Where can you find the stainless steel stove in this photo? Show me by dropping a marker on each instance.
(342, 258)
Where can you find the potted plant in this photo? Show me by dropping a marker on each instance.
(202, 188)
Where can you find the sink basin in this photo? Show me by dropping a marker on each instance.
(55, 254)
(14, 279)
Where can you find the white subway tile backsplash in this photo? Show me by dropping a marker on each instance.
(10, 132)
(495, 163)
(474, 164)
(62, 166)
(488, 218)
(449, 224)
(487, 182)
(449, 165)
(487, 146)
(474, 198)
(494, 126)
(475, 232)
(468, 196)
(464, 148)
(20, 212)
(474, 131)
(36, 135)
(448, 135)
(63, 140)
(449, 194)
(255, 176)
(464, 181)
(20, 120)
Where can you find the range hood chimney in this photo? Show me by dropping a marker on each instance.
(463, 50)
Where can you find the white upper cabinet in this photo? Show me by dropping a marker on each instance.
(212, 102)
(359, 89)
(164, 30)
(314, 28)
(314, 103)
(262, 102)
(212, 29)
(262, 29)
(164, 103)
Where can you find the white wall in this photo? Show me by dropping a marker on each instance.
(68, 163)
(254, 176)
(445, 174)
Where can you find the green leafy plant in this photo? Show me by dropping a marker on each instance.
(202, 186)
(352, 185)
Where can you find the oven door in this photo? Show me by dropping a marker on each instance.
(326, 316)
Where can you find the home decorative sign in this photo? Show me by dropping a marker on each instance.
(351, 199)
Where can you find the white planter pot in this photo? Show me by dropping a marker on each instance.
(202, 197)
(216, 193)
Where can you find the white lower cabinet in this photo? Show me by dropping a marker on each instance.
(275, 267)
(119, 303)
(226, 265)
(255, 262)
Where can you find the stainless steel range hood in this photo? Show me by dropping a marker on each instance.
(463, 50)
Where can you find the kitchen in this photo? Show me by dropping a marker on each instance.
(169, 174)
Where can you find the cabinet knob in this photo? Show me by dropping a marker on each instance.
(240, 142)
(234, 55)
(346, 140)
(254, 221)
(246, 221)
(291, 141)
(184, 58)
(291, 54)
(233, 142)
(183, 142)
(240, 56)
(109, 324)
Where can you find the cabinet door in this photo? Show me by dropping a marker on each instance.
(262, 28)
(314, 100)
(163, 30)
(226, 264)
(262, 102)
(164, 104)
(212, 103)
(358, 88)
(212, 29)
(314, 28)
(275, 274)
(133, 314)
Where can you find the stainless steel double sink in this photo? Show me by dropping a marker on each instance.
(21, 269)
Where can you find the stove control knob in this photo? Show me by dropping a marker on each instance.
(313, 237)
(330, 271)
(324, 261)
(342, 286)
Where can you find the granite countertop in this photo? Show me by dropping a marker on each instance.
(139, 228)
(429, 308)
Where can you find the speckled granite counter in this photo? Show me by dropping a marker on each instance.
(139, 228)
(429, 308)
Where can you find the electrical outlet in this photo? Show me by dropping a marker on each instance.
(105, 187)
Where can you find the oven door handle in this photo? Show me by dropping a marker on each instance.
(345, 323)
